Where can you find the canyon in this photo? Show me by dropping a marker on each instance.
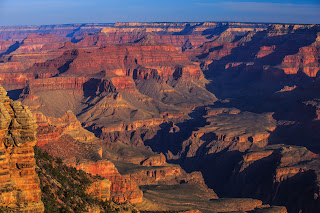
(208, 116)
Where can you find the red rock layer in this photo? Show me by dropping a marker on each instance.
(15, 80)
(181, 42)
(16, 62)
(162, 60)
(36, 42)
(58, 83)
(80, 85)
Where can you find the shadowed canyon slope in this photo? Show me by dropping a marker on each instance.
(200, 110)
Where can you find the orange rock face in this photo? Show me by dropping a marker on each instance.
(67, 83)
(154, 161)
(100, 189)
(306, 60)
(122, 189)
(19, 183)
(265, 50)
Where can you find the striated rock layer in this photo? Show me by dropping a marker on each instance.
(19, 183)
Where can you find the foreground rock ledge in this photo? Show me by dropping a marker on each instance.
(19, 183)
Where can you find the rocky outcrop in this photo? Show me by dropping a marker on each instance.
(285, 172)
(122, 189)
(220, 142)
(315, 104)
(305, 61)
(19, 183)
(158, 160)
(100, 189)
(229, 128)
(291, 48)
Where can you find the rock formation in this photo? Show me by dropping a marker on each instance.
(19, 183)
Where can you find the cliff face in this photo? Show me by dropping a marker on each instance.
(19, 183)
(142, 60)
(305, 61)
(283, 175)
(122, 188)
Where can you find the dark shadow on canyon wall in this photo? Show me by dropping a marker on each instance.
(11, 49)
(166, 140)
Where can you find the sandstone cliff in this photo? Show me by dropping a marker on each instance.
(19, 183)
